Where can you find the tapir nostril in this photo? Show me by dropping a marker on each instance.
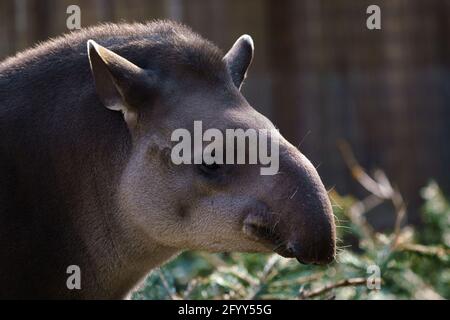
(290, 250)
(293, 249)
(310, 254)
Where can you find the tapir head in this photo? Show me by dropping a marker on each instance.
(182, 79)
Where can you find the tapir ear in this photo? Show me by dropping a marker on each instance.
(118, 81)
(239, 58)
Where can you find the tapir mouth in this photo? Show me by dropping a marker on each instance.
(269, 237)
(265, 235)
(269, 234)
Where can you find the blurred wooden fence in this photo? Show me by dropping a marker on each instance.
(319, 73)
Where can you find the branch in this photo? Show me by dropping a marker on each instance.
(357, 210)
(400, 213)
(172, 295)
(359, 174)
(379, 186)
(302, 280)
(427, 250)
(265, 276)
(343, 283)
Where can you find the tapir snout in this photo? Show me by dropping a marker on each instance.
(302, 225)
(312, 235)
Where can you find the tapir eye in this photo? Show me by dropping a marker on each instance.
(209, 168)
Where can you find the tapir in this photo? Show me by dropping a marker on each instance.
(86, 177)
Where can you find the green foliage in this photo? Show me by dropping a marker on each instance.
(415, 266)
(436, 217)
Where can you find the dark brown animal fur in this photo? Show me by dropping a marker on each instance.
(71, 187)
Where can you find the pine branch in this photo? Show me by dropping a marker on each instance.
(340, 284)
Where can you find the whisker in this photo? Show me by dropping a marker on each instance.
(303, 139)
(295, 192)
(336, 218)
(275, 224)
(282, 243)
(335, 202)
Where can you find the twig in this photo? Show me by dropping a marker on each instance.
(268, 268)
(400, 212)
(359, 174)
(343, 283)
(357, 210)
(234, 270)
(301, 280)
(427, 250)
(165, 284)
(379, 186)
(190, 288)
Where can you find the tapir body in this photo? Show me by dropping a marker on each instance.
(85, 173)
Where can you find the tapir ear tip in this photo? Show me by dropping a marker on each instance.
(248, 40)
(92, 45)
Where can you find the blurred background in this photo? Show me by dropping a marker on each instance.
(318, 73)
(322, 77)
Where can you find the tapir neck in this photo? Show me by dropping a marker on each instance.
(121, 265)
(118, 254)
(60, 169)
